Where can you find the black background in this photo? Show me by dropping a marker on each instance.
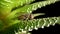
(51, 11)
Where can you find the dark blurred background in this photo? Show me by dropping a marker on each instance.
(50, 11)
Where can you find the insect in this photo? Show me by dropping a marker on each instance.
(29, 16)
(26, 16)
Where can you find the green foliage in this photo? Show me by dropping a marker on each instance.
(11, 9)
(38, 23)
(29, 8)
(10, 4)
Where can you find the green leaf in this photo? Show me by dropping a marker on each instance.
(8, 22)
(29, 8)
(29, 25)
(39, 23)
(1, 24)
(7, 5)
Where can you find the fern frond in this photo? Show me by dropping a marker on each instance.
(35, 23)
(38, 23)
(8, 20)
(29, 8)
(29, 25)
